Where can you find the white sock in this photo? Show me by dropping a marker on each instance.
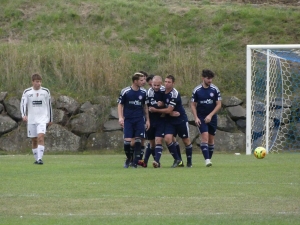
(35, 153)
(40, 151)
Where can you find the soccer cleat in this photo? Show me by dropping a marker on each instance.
(36, 162)
(156, 164)
(142, 163)
(127, 163)
(181, 164)
(189, 165)
(176, 163)
(40, 162)
(208, 163)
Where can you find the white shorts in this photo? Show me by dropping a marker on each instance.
(34, 129)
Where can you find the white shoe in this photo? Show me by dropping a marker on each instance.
(208, 163)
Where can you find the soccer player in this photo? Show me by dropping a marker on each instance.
(205, 103)
(36, 111)
(132, 112)
(175, 125)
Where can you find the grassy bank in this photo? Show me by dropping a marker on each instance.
(93, 47)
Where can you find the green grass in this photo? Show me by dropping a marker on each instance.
(95, 189)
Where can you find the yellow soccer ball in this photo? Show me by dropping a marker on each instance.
(260, 152)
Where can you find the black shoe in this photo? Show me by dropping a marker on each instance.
(40, 162)
(181, 164)
(176, 163)
(36, 162)
(189, 165)
(127, 163)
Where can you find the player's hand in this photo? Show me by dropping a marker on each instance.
(160, 104)
(151, 109)
(175, 114)
(147, 125)
(24, 118)
(207, 119)
(197, 122)
(121, 122)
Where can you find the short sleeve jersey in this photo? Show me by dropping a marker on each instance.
(36, 104)
(173, 99)
(206, 99)
(153, 98)
(133, 102)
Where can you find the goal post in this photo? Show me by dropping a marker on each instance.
(273, 98)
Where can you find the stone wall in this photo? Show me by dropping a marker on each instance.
(80, 127)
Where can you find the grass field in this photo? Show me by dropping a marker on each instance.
(96, 189)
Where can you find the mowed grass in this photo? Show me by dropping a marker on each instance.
(96, 189)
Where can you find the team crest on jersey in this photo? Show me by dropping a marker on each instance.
(140, 97)
(211, 94)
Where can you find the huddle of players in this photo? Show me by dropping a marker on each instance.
(161, 112)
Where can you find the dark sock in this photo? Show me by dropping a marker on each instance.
(178, 150)
(127, 149)
(173, 151)
(142, 152)
(211, 150)
(158, 152)
(137, 150)
(131, 152)
(147, 155)
(204, 148)
(189, 152)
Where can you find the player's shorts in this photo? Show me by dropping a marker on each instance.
(34, 129)
(210, 127)
(182, 129)
(156, 130)
(134, 127)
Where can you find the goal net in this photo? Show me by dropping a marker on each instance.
(273, 98)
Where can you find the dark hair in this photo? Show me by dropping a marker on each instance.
(208, 73)
(144, 73)
(36, 76)
(171, 77)
(137, 76)
(150, 77)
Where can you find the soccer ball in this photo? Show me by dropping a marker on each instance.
(260, 152)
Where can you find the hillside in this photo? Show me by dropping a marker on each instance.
(94, 46)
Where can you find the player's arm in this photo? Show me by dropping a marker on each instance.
(120, 114)
(147, 116)
(194, 112)
(50, 112)
(23, 107)
(216, 109)
(164, 110)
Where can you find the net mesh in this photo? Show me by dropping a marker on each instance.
(281, 109)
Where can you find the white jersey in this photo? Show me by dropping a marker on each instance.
(38, 105)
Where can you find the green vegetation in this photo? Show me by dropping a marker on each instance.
(95, 189)
(93, 47)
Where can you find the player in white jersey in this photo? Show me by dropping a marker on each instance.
(36, 110)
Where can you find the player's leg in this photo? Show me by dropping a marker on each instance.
(159, 136)
(150, 136)
(128, 134)
(212, 128)
(139, 134)
(183, 133)
(41, 131)
(177, 147)
(169, 134)
(203, 129)
(32, 133)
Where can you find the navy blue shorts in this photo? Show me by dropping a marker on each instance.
(156, 130)
(182, 129)
(134, 127)
(210, 127)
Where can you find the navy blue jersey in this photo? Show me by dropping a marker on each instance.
(173, 99)
(133, 102)
(206, 99)
(153, 98)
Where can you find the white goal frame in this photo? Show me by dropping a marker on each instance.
(249, 90)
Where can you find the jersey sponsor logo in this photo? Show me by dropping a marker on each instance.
(207, 101)
(37, 103)
(135, 102)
